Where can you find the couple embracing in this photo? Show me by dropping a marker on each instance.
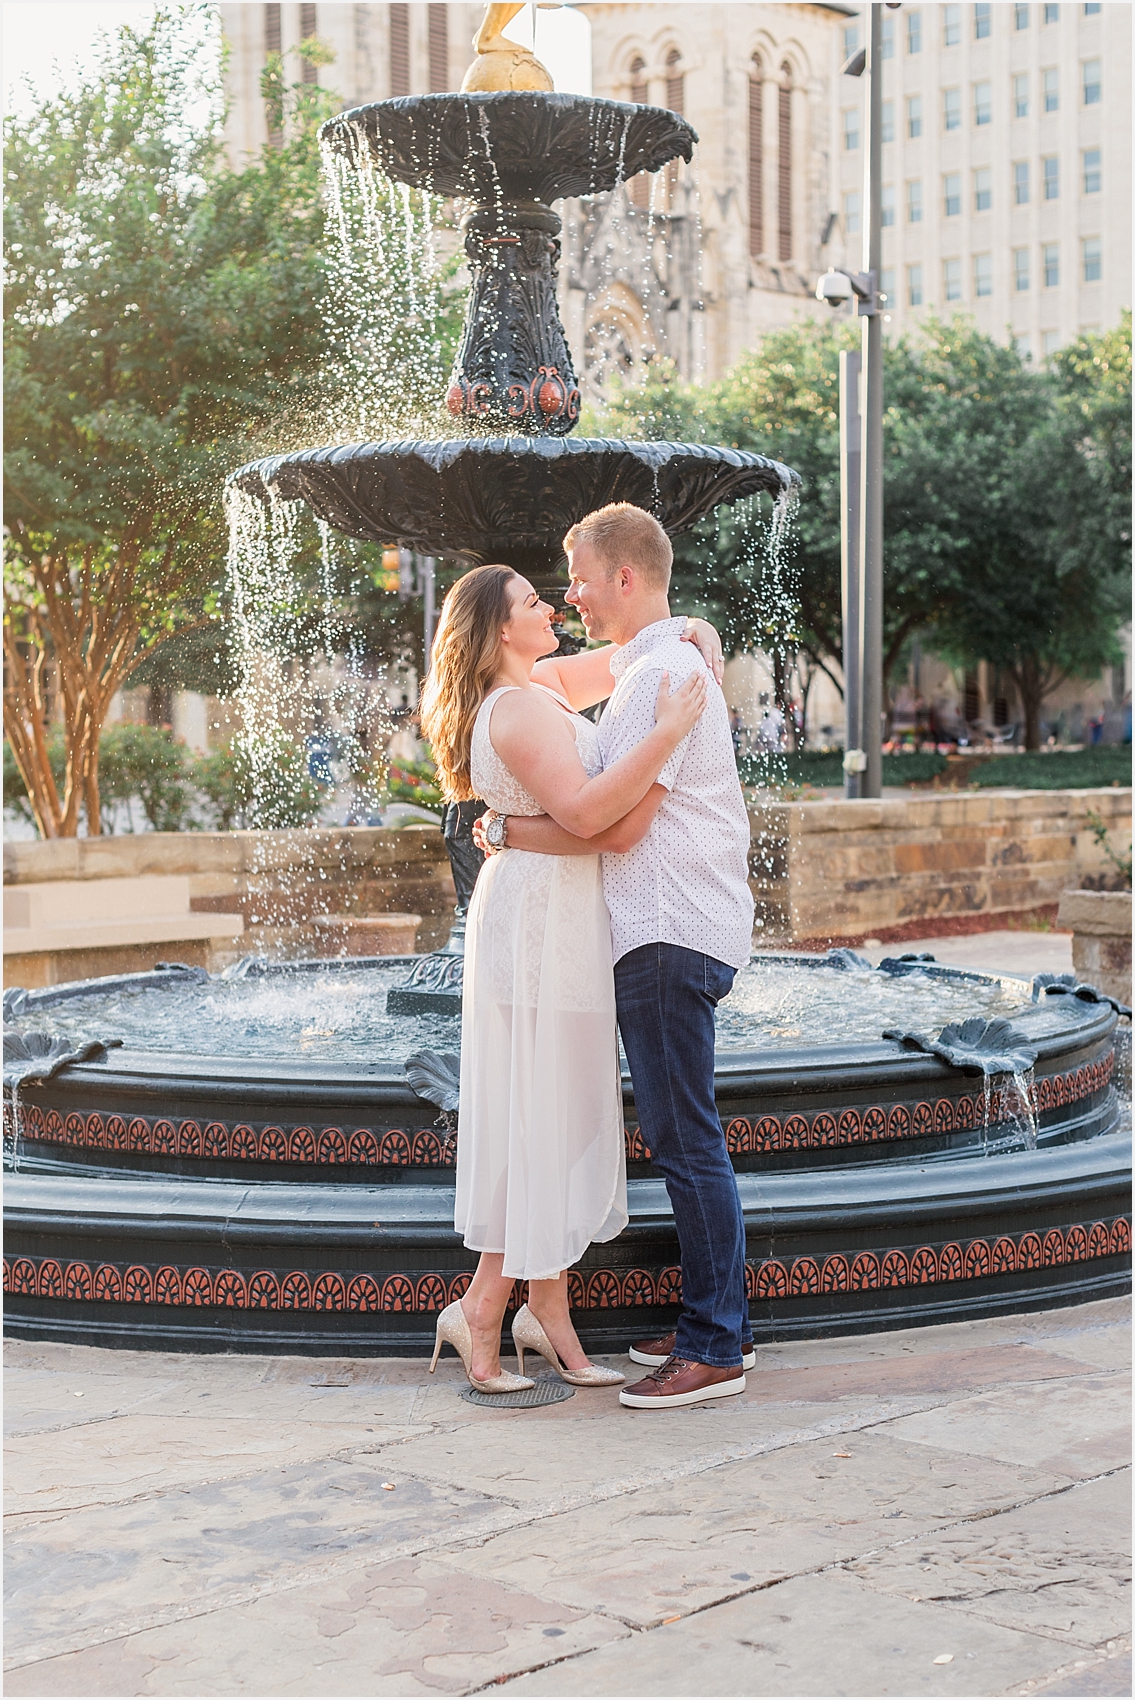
(615, 890)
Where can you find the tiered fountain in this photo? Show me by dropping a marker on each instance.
(251, 1171)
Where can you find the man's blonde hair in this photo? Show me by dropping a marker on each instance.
(626, 536)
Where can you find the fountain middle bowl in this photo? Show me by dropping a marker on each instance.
(283, 1199)
(487, 498)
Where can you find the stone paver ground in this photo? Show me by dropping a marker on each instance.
(944, 1511)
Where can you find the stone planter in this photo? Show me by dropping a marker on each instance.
(1100, 924)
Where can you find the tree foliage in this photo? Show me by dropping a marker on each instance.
(1006, 492)
(162, 323)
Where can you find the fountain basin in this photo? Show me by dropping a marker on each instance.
(264, 1203)
(507, 499)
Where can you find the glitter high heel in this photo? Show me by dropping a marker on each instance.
(529, 1336)
(453, 1327)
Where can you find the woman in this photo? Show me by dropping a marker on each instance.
(541, 1169)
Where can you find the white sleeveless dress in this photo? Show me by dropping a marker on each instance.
(541, 1167)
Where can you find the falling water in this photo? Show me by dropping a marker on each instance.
(1009, 1114)
(387, 304)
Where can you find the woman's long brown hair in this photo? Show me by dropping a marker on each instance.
(466, 654)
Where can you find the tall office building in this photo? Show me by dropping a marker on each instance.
(1006, 165)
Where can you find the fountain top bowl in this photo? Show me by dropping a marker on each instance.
(515, 146)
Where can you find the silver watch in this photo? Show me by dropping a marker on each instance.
(496, 833)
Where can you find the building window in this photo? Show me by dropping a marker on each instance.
(1020, 97)
(952, 109)
(914, 285)
(1093, 259)
(1050, 264)
(1052, 14)
(952, 194)
(888, 120)
(850, 40)
(982, 22)
(914, 202)
(1050, 343)
(1050, 84)
(850, 128)
(888, 203)
(1093, 171)
(888, 36)
(1051, 168)
(914, 32)
(1093, 82)
(983, 274)
(1021, 182)
(639, 187)
(914, 117)
(887, 285)
(1021, 274)
(852, 223)
(756, 157)
(438, 27)
(675, 82)
(399, 17)
(982, 189)
(784, 161)
(1090, 11)
(1023, 347)
(952, 280)
(273, 44)
(1020, 17)
(309, 73)
(951, 26)
(983, 103)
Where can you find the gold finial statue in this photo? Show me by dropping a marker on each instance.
(500, 63)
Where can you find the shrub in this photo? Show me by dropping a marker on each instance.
(1058, 770)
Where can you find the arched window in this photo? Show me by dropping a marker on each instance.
(272, 44)
(438, 25)
(399, 50)
(784, 163)
(676, 101)
(675, 82)
(756, 157)
(309, 74)
(640, 94)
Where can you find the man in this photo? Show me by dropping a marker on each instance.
(681, 926)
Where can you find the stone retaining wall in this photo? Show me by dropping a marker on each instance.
(848, 869)
(819, 870)
(278, 881)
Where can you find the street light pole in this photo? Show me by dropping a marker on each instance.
(871, 505)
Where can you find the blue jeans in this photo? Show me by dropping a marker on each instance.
(666, 997)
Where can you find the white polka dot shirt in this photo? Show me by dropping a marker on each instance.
(686, 883)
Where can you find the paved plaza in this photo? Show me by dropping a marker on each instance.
(944, 1511)
(941, 1511)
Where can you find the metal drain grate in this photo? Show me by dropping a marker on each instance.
(549, 1390)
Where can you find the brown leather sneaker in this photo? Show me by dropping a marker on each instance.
(654, 1353)
(680, 1382)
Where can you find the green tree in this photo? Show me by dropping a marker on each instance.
(1045, 585)
(1005, 497)
(162, 322)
